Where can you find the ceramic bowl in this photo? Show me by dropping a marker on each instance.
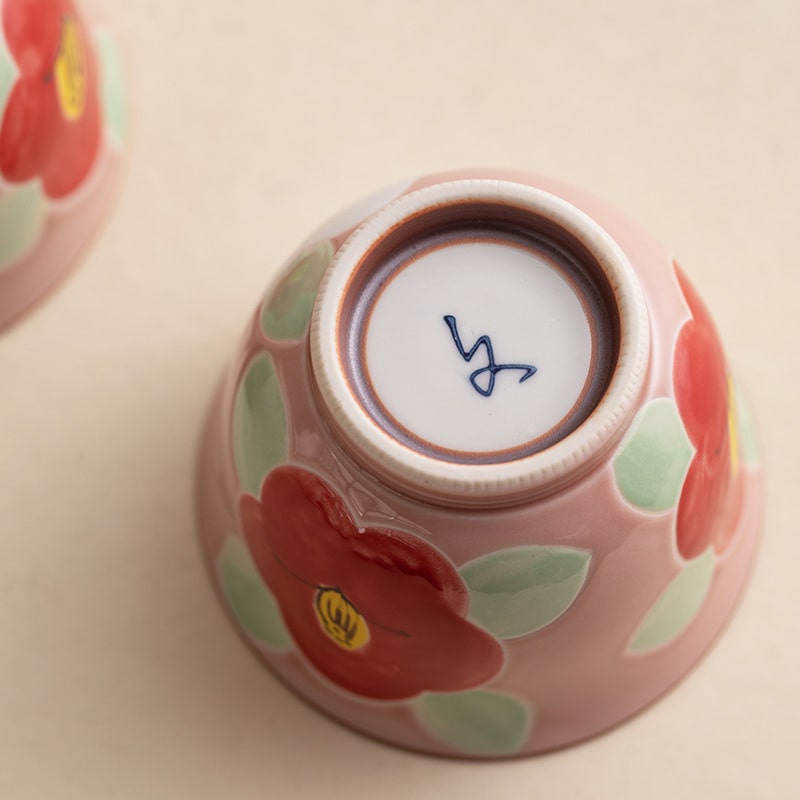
(478, 480)
(62, 142)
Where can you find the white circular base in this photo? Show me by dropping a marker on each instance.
(478, 346)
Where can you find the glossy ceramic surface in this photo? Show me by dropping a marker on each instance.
(62, 142)
(479, 480)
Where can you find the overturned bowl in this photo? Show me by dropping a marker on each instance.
(62, 142)
(478, 480)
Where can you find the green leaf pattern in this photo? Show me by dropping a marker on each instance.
(113, 89)
(677, 606)
(287, 310)
(248, 598)
(651, 465)
(518, 591)
(8, 73)
(259, 424)
(478, 722)
(748, 434)
(22, 218)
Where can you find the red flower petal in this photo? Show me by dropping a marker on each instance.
(36, 140)
(732, 506)
(26, 136)
(701, 391)
(700, 376)
(698, 509)
(32, 30)
(411, 599)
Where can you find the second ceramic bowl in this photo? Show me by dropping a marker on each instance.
(62, 142)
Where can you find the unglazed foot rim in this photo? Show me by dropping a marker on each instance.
(488, 484)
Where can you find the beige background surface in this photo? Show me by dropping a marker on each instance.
(119, 675)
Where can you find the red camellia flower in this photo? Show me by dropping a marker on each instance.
(708, 504)
(51, 125)
(379, 612)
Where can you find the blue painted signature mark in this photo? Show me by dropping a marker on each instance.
(491, 368)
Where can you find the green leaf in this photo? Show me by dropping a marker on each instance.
(651, 465)
(746, 428)
(677, 606)
(22, 206)
(249, 600)
(22, 214)
(287, 311)
(476, 722)
(259, 424)
(8, 74)
(518, 591)
(352, 216)
(113, 89)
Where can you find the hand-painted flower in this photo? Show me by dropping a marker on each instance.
(51, 125)
(379, 612)
(709, 501)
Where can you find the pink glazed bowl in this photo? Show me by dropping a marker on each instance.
(62, 142)
(478, 480)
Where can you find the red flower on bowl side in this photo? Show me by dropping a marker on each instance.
(377, 611)
(51, 125)
(709, 500)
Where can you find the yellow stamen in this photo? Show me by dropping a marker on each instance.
(70, 71)
(340, 620)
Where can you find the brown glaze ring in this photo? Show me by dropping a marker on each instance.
(472, 220)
